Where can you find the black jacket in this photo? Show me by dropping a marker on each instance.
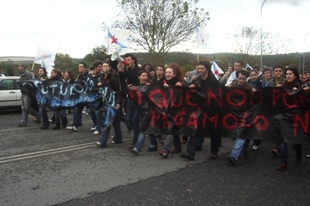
(210, 82)
(156, 82)
(112, 80)
(83, 76)
(129, 76)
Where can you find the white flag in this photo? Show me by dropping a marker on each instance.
(202, 39)
(45, 59)
(216, 70)
(248, 66)
(118, 40)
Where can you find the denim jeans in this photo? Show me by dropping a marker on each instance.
(283, 152)
(117, 137)
(60, 117)
(133, 119)
(93, 116)
(100, 115)
(124, 117)
(117, 130)
(43, 113)
(77, 118)
(172, 140)
(200, 142)
(240, 146)
(192, 145)
(64, 120)
(140, 141)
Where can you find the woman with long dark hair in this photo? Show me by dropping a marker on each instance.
(292, 84)
(69, 76)
(110, 78)
(42, 76)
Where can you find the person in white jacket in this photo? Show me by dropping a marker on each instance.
(238, 65)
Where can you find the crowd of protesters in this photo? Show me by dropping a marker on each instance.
(122, 74)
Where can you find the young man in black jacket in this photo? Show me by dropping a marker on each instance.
(205, 81)
(130, 75)
(77, 112)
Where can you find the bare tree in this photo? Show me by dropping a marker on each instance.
(248, 43)
(159, 25)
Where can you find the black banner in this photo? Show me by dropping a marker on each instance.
(223, 111)
(57, 95)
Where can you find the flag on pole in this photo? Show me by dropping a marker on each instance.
(248, 66)
(45, 59)
(216, 70)
(118, 40)
(202, 39)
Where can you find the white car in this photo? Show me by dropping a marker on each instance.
(9, 92)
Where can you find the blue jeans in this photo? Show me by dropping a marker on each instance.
(43, 113)
(117, 130)
(124, 117)
(64, 121)
(133, 119)
(93, 116)
(200, 142)
(100, 115)
(77, 118)
(283, 152)
(60, 117)
(140, 141)
(240, 146)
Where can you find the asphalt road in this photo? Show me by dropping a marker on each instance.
(66, 168)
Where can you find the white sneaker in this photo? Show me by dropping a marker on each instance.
(93, 128)
(113, 142)
(96, 132)
(255, 147)
(98, 143)
(73, 128)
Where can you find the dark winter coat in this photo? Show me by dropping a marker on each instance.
(112, 80)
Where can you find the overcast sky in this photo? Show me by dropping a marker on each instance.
(74, 26)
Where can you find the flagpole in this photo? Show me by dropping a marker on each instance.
(108, 40)
(32, 64)
(197, 43)
(34, 59)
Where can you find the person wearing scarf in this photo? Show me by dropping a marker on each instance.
(174, 77)
(205, 81)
